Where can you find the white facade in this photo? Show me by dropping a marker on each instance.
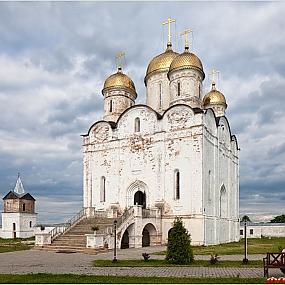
(171, 156)
(22, 224)
(258, 230)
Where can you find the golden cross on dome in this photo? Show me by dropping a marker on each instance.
(213, 75)
(185, 33)
(169, 22)
(119, 59)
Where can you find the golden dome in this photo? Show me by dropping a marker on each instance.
(119, 79)
(162, 61)
(214, 97)
(187, 60)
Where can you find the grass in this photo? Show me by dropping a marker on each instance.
(255, 246)
(164, 263)
(41, 278)
(8, 245)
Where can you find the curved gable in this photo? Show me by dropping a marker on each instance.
(178, 117)
(147, 117)
(210, 121)
(99, 132)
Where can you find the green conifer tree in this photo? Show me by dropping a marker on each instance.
(179, 250)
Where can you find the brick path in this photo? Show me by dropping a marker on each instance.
(33, 261)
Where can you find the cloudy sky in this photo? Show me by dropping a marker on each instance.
(54, 58)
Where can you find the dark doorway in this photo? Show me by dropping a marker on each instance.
(140, 199)
(125, 240)
(145, 238)
(169, 232)
(14, 230)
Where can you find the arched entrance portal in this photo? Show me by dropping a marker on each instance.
(140, 199)
(145, 238)
(125, 240)
(149, 235)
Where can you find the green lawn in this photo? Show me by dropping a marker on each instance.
(255, 246)
(7, 245)
(73, 279)
(164, 263)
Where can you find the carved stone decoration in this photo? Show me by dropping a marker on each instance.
(138, 143)
(100, 133)
(177, 119)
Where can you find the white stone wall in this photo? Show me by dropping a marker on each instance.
(190, 87)
(121, 100)
(22, 222)
(147, 161)
(158, 92)
(263, 230)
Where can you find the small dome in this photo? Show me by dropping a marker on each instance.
(214, 97)
(119, 79)
(162, 61)
(186, 60)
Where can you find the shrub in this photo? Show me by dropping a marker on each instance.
(179, 250)
(214, 259)
(146, 256)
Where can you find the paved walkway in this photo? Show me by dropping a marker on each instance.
(35, 261)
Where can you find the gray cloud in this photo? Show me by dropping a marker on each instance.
(55, 56)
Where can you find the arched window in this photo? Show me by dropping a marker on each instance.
(24, 207)
(178, 88)
(160, 95)
(103, 189)
(111, 106)
(30, 224)
(223, 202)
(137, 125)
(177, 184)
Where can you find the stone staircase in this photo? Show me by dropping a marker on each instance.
(74, 239)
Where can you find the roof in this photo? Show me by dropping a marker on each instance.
(19, 188)
(14, 195)
(263, 224)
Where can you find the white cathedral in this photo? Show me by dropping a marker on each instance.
(174, 156)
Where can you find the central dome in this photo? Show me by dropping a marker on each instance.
(119, 79)
(187, 60)
(161, 62)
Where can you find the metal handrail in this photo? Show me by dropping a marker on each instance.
(125, 216)
(70, 222)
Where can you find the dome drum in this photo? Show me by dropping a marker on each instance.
(119, 91)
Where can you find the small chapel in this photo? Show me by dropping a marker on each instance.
(146, 164)
(19, 217)
(173, 156)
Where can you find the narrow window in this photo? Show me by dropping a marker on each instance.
(251, 231)
(111, 106)
(137, 125)
(103, 189)
(30, 224)
(241, 232)
(160, 95)
(210, 186)
(178, 88)
(24, 207)
(14, 226)
(177, 185)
